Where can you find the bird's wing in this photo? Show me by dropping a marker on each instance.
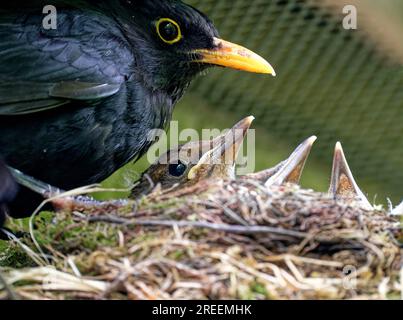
(86, 58)
(30, 97)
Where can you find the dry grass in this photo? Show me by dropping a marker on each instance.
(216, 240)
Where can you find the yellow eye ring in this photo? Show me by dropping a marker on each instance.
(169, 30)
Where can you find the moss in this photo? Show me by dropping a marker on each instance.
(259, 288)
(13, 256)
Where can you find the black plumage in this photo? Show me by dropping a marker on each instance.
(8, 190)
(77, 103)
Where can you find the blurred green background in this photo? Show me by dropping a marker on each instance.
(338, 84)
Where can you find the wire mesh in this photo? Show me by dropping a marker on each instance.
(331, 82)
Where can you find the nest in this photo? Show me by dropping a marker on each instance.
(215, 240)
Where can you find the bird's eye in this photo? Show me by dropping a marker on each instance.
(169, 31)
(177, 170)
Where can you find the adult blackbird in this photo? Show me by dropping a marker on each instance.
(78, 102)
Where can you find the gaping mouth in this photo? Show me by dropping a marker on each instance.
(224, 150)
(342, 182)
(292, 168)
(230, 55)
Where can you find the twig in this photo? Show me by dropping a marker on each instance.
(206, 225)
(227, 211)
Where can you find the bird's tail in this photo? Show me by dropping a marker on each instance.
(35, 185)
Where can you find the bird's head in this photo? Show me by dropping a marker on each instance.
(175, 42)
(195, 161)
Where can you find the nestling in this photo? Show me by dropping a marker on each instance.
(195, 161)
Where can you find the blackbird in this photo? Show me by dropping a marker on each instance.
(78, 101)
(188, 164)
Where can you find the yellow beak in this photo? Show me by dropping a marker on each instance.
(230, 55)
